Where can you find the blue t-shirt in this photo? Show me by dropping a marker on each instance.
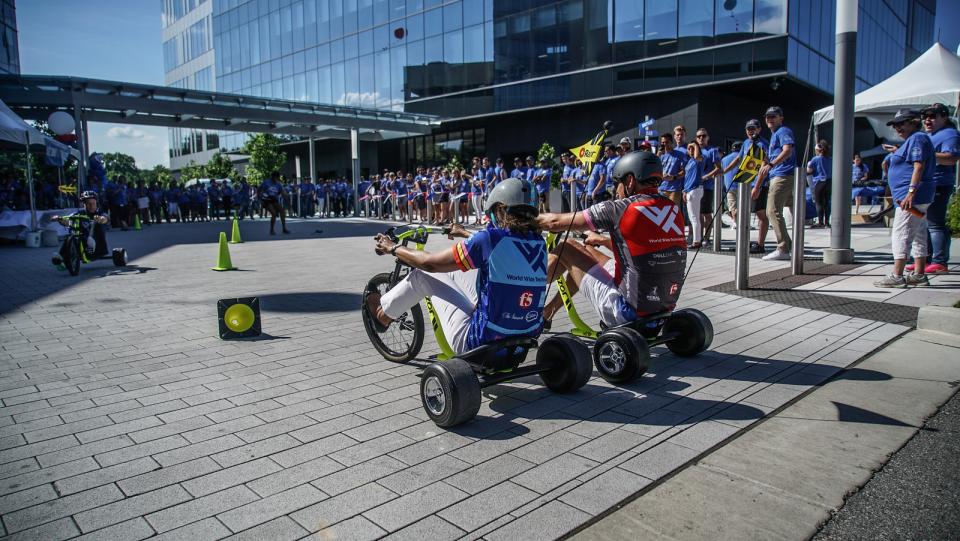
(783, 136)
(306, 189)
(711, 158)
(544, 185)
(822, 168)
(692, 178)
(917, 148)
(519, 172)
(859, 171)
(568, 172)
(946, 140)
(747, 145)
(598, 169)
(728, 176)
(579, 176)
(511, 283)
(271, 189)
(672, 163)
(611, 161)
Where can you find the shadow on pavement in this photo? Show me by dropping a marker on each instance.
(853, 414)
(314, 302)
(33, 266)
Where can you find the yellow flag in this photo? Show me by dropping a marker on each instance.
(68, 188)
(750, 165)
(588, 153)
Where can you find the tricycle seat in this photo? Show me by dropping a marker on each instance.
(499, 355)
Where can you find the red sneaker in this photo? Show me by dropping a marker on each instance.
(910, 267)
(935, 268)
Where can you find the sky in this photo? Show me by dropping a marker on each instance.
(120, 40)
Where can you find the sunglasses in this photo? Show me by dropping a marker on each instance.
(898, 124)
(701, 135)
(929, 116)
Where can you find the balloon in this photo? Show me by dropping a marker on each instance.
(61, 122)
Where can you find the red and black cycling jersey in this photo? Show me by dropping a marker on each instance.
(649, 247)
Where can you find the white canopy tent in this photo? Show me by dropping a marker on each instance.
(934, 77)
(15, 131)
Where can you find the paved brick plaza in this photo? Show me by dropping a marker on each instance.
(123, 414)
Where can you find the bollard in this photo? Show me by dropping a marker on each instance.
(718, 196)
(743, 236)
(799, 217)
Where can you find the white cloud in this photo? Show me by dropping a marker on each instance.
(128, 132)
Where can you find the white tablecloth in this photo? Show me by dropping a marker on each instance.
(15, 223)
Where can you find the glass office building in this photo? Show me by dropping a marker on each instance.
(506, 75)
(9, 43)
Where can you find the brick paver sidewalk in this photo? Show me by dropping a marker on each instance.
(124, 415)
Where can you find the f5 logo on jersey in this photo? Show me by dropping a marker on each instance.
(665, 217)
(526, 299)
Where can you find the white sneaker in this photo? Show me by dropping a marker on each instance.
(777, 255)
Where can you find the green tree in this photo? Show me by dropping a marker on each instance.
(219, 166)
(953, 215)
(117, 163)
(265, 156)
(191, 171)
(159, 174)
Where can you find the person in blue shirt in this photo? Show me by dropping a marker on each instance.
(242, 199)
(186, 206)
(693, 193)
(760, 191)
(595, 182)
(488, 287)
(172, 197)
(519, 171)
(601, 191)
(580, 184)
(779, 167)
(673, 163)
(711, 169)
(227, 192)
(913, 187)
(271, 196)
(215, 196)
(567, 181)
(861, 173)
(819, 170)
(155, 193)
(728, 173)
(541, 179)
(946, 143)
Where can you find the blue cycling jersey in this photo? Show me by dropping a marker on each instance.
(511, 283)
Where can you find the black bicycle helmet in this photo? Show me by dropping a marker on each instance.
(89, 194)
(644, 166)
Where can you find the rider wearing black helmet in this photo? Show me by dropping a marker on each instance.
(92, 231)
(488, 287)
(646, 238)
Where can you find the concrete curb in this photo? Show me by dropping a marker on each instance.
(942, 319)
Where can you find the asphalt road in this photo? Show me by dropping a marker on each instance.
(917, 493)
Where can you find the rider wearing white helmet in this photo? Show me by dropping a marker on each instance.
(488, 287)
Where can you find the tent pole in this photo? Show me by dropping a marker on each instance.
(800, 206)
(33, 206)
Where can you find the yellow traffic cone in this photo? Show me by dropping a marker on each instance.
(235, 236)
(136, 222)
(223, 261)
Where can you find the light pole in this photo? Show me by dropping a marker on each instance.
(845, 64)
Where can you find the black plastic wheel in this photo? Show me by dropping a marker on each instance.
(402, 340)
(694, 332)
(72, 261)
(450, 392)
(120, 257)
(568, 360)
(621, 355)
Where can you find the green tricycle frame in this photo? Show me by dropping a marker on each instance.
(450, 387)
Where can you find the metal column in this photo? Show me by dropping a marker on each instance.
(743, 236)
(718, 195)
(799, 217)
(80, 126)
(843, 109)
(355, 163)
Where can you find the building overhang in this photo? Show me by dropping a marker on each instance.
(34, 97)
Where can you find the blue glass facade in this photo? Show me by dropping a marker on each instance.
(463, 59)
(9, 43)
